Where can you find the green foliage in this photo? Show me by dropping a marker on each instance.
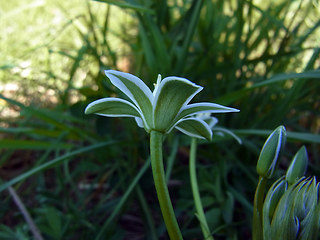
(259, 57)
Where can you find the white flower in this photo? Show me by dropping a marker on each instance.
(161, 110)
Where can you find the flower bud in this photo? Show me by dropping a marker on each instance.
(268, 159)
(297, 213)
(284, 224)
(272, 199)
(298, 166)
(273, 196)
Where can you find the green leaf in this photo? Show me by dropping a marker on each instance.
(195, 127)
(6, 233)
(172, 94)
(54, 221)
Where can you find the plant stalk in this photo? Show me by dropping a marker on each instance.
(161, 186)
(257, 228)
(195, 191)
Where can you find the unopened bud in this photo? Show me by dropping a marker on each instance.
(268, 159)
(273, 196)
(298, 166)
(297, 213)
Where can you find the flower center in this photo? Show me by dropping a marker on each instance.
(156, 85)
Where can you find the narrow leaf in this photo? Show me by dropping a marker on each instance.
(53, 163)
(30, 144)
(238, 94)
(126, 4)
(291, 136)
(112, 218)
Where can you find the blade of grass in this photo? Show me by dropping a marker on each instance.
(40, 132)
(291, 136)
(117, 209)
(171, 158)
(233, 96)
(126, 4)
(147, 212)
(53, 163)
(48, 117)
(192, 18)
(30, 144)
(154, 44)
(51, 117)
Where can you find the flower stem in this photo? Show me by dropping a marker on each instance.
(257, 228)
(161, 186)
(195, 191)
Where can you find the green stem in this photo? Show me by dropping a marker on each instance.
(161, 186)
(257, 228)
(195, 191)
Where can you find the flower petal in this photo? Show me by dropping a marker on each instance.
(226, 131)
(195, 127)
(203, 107)
(139, 122)
(135, 89)
(113, 107)
(172, 94)
(211, 121)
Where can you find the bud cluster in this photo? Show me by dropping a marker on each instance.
(291, 208)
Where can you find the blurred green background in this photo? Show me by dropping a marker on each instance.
(88, 177)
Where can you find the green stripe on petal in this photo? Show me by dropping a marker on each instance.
(195, 127)
(197, 108)
(172, 94)
(113, 107)
(135, 89)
